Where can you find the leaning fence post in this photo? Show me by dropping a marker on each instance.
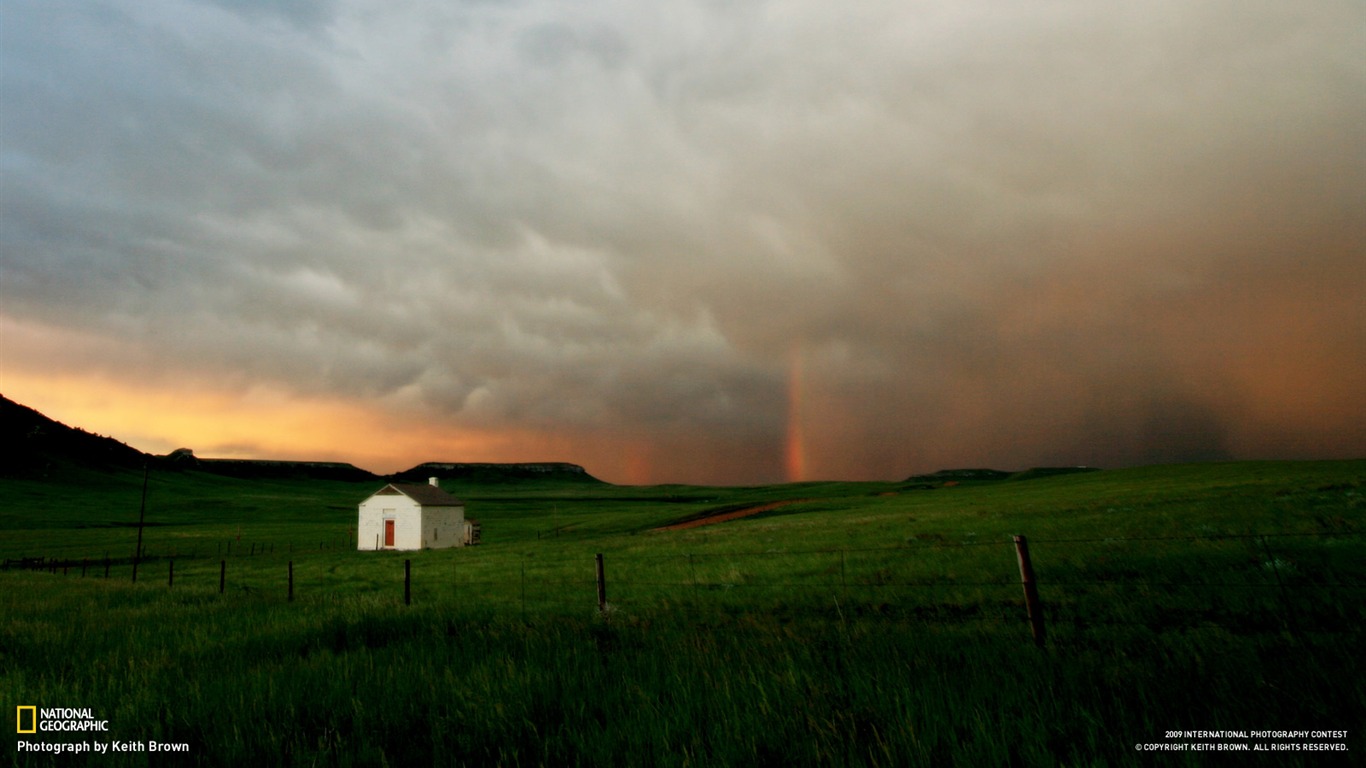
(1031, 590)
(602, 586)
(407, 582)
(1285, 599)
(222, 575)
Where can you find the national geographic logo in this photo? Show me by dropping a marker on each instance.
(57, 719)
(52, 720)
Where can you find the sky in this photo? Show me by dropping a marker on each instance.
(706, 242)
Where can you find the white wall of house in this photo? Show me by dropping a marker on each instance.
(405, 513)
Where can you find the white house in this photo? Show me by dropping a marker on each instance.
(404, 516)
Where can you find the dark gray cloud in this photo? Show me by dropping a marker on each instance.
(976, 233)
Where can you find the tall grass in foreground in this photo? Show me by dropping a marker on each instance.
(367, 681)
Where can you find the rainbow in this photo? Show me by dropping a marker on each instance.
(794, 458)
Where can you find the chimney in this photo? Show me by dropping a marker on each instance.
(433, 482)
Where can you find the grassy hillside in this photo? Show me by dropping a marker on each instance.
(863, 623)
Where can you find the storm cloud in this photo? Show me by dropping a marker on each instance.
(722, 242)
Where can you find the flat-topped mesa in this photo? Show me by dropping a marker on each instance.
(960, 475)
(945, 477)
(277, 470)
(489, 472)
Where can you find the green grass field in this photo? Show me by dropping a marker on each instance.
(864, 624)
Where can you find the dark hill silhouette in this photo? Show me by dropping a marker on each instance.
(33, 445)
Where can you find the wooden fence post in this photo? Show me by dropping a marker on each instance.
(291, 581)
(84, 562)
(1285, 599)
(170, 574)
(602, 586)
(1031, 590)
(106, 565)
(142, 516)
(407, 582)
(222, 575)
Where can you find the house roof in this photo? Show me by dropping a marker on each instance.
(423, 493)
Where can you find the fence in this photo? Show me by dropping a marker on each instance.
(1291, 581)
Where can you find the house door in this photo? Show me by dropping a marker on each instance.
(388, 533)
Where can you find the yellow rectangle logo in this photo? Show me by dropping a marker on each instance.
(32, 720)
